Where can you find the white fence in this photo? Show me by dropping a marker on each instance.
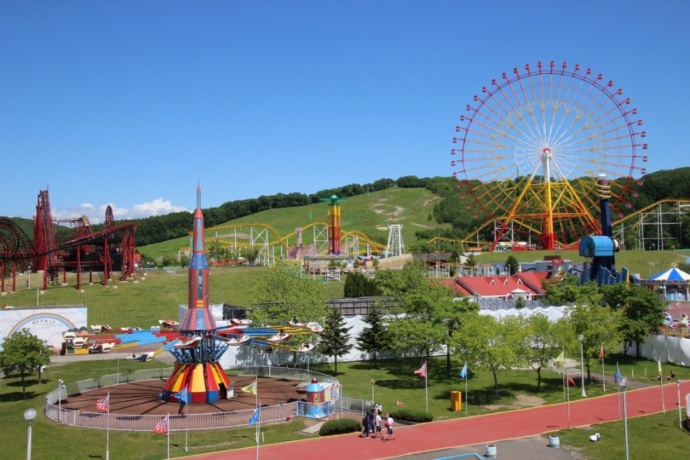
(191, 422)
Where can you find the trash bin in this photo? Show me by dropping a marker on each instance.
(456, 400)
(491, 451)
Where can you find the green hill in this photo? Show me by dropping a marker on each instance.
(369, 214)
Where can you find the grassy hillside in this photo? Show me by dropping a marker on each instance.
(144, 301)
(369, 214)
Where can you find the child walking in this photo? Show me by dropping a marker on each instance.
(389, 428)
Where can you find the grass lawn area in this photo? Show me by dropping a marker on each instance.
(655, 436)
(395, 381)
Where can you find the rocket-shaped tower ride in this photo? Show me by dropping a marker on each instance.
(197, 370)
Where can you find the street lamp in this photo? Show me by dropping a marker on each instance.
(680, 413)
(29, 415)
(623, 383)
(60, 387)
(581, 338)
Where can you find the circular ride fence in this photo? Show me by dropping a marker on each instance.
(190, 422)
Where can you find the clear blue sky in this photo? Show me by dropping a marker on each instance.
(132, 103)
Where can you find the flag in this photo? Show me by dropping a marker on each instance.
(601, 352)
(251, 388)
(463, 371)
(571, 381)
(182, 396)
(162, 426)
(255, 416)
(617, 375)
(373, 382)
(421, 371)
(560, 359)
(660, 371)
(104, 404)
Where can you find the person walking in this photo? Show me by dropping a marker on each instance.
(365, 426)
(377, 425)
(389, 428)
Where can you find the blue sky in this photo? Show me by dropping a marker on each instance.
(132, 103)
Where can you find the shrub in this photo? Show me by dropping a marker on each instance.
(344, 425)
(409, 415)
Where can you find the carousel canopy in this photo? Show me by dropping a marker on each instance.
(672, 274)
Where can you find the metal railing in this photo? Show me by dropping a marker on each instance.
(191, 422)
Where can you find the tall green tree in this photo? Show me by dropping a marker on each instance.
(540, 341)
(374, 338)
(335, 337)
(643, 311)
(568, 290)
(512, 265)
(281, 293)
(599, 326)
(358, 285)
(22, 354)
(487, 343)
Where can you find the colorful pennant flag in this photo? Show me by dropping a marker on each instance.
(617, 375)
(463, 371)
(660, 371)
(162, 426)
(251, 388)
(571, 381)
(104, 404)
(182, 396)
(255, 416)
(421, 371)
(560, 359)
(601, 352)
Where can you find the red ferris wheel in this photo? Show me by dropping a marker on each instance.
(531, 146)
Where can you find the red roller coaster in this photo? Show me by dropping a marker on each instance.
(78, 249)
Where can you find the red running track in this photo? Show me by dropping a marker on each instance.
(479, 429)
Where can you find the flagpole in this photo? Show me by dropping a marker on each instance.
(186, 430)
(168, 430)
(426, 386)
(467, 400)
(107, 432)
(618, 388)
(568, 399)
(258, 431)
(661, 382)
(603, 372)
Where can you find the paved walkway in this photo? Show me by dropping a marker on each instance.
(477, 430)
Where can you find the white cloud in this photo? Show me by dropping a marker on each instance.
(157, 207)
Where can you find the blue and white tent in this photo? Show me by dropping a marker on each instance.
(673, 284)
(670, 275)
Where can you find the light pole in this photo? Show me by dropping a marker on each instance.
(624, 387)
(680, 405)
(29, 415)
(581, 338)
(60, 386)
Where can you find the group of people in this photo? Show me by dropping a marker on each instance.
(371, 425)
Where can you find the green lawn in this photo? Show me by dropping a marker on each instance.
(395, 381)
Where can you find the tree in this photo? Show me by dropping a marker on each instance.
(487, 343)
(568, 290)
(643, 311)
(541, 341)
(22, 354)
(512, 265)
(335, 336)
(375, 338)
(281, 294)
(599, 326)
(358, 285)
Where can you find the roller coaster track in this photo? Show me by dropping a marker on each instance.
(84, 248)
(246, 237)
